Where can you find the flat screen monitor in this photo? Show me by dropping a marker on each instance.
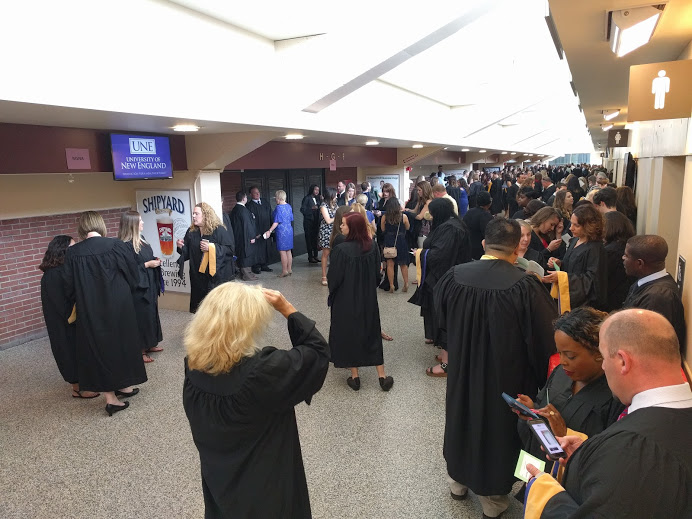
(139, 157)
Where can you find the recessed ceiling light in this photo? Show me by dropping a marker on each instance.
(530, 155)
(372, 143)
(514, 153)
(481, 151)
(294, 136)
(445, 148)
(465, 149)
(417, 146)
(185, 128)
(505, 152)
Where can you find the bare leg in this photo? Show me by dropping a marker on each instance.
(354, 372)
(404, 272)
(284, 266)
(289, 261)
(325, 257)
(111, 398)
(380, 371)
(390, 274)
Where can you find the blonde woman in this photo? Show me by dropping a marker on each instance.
(146, 296)
(360, 209)
(205, 233)
(564, 202)
(100, 274)
(239, 400)
(369, 216)
(282, 218)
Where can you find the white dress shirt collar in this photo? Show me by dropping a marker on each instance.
(652, 277)
(674, 397)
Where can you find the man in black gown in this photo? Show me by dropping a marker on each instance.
(641, 466)
(244, 232)
(262, 211)
(310, 208)
(498, 322)
(655, 289)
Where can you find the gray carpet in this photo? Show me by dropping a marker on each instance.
(366, 454)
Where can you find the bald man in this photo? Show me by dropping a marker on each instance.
(641, 466)
(655, 289)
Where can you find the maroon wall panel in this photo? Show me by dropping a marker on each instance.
(296, 155)
(41, 149)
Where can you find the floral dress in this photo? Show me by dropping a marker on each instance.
(326, 228)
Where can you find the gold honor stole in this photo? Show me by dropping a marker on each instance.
(540, 491)
(560, 291)
(73, 315)
(209, 259)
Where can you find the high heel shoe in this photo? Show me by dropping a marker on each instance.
(386, 383)
(112, 408)
(324, 281)
(123, 394)
(353, 383)
(405, 289)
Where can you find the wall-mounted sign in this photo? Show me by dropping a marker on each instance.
(77, 158)
(681, 273)
(333, 156)
(138, 157)
(618, 138)
(376, 182)
(166, 215)
(332, 165)
(660, 91)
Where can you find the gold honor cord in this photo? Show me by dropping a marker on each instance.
(209, 258)
(73, 315)
(560, 291)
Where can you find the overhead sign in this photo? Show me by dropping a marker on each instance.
(137, 157)
(166, 215)
(660, 91)
(618, 138)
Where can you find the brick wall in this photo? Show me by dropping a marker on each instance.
(23, 241)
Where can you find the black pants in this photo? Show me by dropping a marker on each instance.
(311, 229)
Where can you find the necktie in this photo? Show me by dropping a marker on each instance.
(624, 413)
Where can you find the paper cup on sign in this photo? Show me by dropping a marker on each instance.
(164, 226)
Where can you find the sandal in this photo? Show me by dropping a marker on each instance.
(80, 395)
(438, 358)
(386, 337)
(431, 373)
(146, 358)
(155, 349)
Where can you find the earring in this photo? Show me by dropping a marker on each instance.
(599, 359)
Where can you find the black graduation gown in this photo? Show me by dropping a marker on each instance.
(263, 221)
(590, 411)
(499, 330)
(448, 245)
(537, 245)
(496, 192)
(201, 283)
(244, 230)
(619, 282)
(56, 309)
(641, 466)
(662, 296)
(244, 426)
(512, 204)
(586, 268)
(476, 220)
(355, 335)
(146, 297)
(100, 276)
(547, 193)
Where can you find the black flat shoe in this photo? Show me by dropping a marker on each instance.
(353, 383)
(386, 383)
(127, 395)
(459, 497)
(266, 269)
(111, 408)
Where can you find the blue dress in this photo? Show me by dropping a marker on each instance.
(283, 215)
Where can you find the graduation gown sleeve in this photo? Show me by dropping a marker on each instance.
(287, 378)
(587, 272)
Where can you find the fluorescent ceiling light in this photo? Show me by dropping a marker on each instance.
(372, 143)
(514, 153)
(185, 128)
(505, 152)
(611, 115)
(294, 136)
(632, 28)
(481, 151)
(445, 148)
(606, 127)
(417, 146)
(465, 149)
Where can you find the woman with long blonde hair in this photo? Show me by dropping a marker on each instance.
(209, 248)
(240, 399)
(146, 295)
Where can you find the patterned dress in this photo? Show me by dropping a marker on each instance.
(283, 215)
(326, 228)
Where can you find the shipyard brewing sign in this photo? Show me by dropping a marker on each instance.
(166, 215)
(139, 158)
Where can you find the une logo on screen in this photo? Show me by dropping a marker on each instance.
(139, 146)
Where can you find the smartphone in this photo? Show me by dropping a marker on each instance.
(516, 404)
(545, 436)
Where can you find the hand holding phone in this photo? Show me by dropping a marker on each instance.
(521, 408)
(545, 436)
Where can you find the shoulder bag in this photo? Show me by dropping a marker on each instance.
(390, 252)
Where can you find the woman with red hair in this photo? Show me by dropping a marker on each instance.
(355, 337)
